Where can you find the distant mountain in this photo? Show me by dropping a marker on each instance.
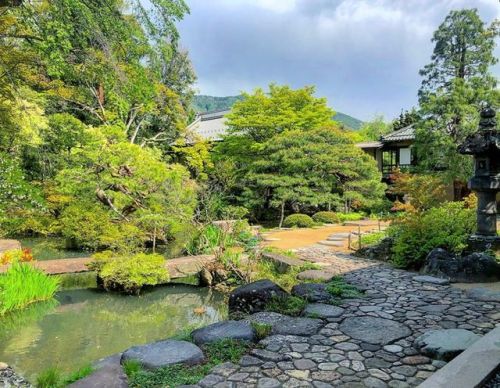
(202, 103)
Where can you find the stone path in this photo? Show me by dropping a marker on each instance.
(371, 342)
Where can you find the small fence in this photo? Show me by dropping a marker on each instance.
(355, 239)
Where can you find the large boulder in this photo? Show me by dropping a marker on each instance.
(484, 295)
(238, 330)
(164, 353)
(253, 297)
(475, 267)
(312, 292)
(445, 344)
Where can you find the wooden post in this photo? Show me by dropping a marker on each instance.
(359, 236)
(349, 241)
(379, 228)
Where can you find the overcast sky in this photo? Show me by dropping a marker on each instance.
(363, 55)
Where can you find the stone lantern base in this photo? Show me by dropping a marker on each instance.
(478, 243)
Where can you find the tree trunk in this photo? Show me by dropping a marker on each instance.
(154, 240)
(282, 216)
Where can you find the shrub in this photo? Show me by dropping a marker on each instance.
(288, 305)
(416, 234)
(372, 238)
(350, 216)
(326, 217)
(129, 273)
(298, 220)
(23, 284)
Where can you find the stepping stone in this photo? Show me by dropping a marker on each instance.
(321, 310)
(373, 330)
(298, 326)
(237, 330)
(431, 279)
(312, 292)
(108, 374)
(484, 295)
(445, 344)
(433, 308)
(315, 274)
(332, 243)
(164, 353)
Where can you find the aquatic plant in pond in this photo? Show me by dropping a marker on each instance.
(22, 285)
(129, 273)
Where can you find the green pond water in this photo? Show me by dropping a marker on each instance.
(84, 325)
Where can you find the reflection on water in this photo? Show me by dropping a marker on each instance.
(50, 248)
(87, 325)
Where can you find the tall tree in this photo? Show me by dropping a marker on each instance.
(455, 84)
(374, 129)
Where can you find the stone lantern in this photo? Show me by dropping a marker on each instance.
(484, 145)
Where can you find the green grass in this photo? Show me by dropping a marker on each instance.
(288, 305)
(262, 330)
(22, 285)
(53, 378)
(217, 353)
(338, 288)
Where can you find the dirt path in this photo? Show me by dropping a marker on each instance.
(305, 237)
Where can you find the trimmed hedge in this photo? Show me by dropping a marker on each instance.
(326, 217)
(298, 220)
(350, 216)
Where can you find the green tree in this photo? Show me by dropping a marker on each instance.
(455, 84)
(405, 119)
(374, 129)
(314, 169)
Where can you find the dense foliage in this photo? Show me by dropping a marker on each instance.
(446, 226)
(129, 273)
(89, 112)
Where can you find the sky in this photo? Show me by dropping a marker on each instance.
(362, 55)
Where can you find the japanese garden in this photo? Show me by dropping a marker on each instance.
(154, 236)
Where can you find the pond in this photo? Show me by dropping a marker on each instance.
(86, 324)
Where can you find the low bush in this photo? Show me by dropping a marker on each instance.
(416, 234)
(227, 350)
(372, 238)
(22, 285)
(344, 217)
(129, 273)
(298, 220)
(288, 305)
(326, 217)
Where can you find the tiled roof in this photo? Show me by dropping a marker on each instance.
(406, 133)
(369, 144)
(210, 125)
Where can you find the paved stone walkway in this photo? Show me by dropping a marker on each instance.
(395, 310)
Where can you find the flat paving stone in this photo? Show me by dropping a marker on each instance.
(164, 353)
(322, 310)
(316, 275)
(431, 279)
(237, 330)
(374, 330)
(484, 295)
(298, 326)
(445, 344)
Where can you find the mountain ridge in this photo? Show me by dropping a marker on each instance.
(203, 103)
